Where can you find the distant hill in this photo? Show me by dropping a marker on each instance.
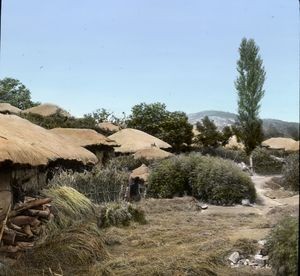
(272, 127)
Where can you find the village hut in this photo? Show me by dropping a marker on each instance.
(6, 108)
(26, 150)
(234, 144)
(108, 128)
(137, 182)
(90, 139)
(281, 143)
(133, 140)
(47, 110)
(153, 153)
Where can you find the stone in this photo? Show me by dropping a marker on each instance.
(246, 202)
(234, 257)
(204, 207)
(264, 252)
(260, 260)
(246, 262)
(262, 242)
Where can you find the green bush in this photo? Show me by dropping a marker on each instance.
(209, 179)
(283, 247)
(265, 163)
(235, 155)
(221, 182)
(127, 162)
(291, 172)
(100, 185)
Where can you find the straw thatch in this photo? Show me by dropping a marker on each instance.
(108, 127)
(7, 108)
(24, 143)
(132, 140)
(280, 143)
(153, 153)
(47, 109)
(234, 144)
(141, 172)
(84, 137)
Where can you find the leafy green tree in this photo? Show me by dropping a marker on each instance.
(249, 86)
(14, 92)
(227, 132)
(209, 135)
(103, 115)
(176, 130)
(155, 119)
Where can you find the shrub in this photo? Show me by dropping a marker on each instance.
(120, 214)
(127, 163)
(265, 163)
(221, 182)
(283, 247)
(100, 185)
(210, 179)
(291, 172)
(235, 155)
(172, 177)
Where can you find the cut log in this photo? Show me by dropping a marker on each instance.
(8, 236)
(23, 220)
(13, 226)
(25, 245)
(27, 231)
(9, 249)
(29, 205)
(39, 213)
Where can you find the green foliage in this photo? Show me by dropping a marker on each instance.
(235, 155)
(60, 121)
(172, 127)
(209, 179)
(249, 85)
(291, 172)
(283, 247)
(14, 92)
(265, 163)
(221, 182)
(120, 214)
(103, 115)
(100, 185)
(127, 162)
(210, 136)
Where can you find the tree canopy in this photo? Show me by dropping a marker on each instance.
(249, 86)
(155, 119)
(14, 92)
(210, 136)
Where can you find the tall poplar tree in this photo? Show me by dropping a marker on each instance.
(249, 86)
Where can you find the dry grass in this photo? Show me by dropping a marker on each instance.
(180, 240)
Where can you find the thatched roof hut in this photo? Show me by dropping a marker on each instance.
(281, 143)
(141, 172)
(24, 143)
(108, 127)
(153, 153)
(47, 109)
(6, 108)
(132, 140)
(84, 137)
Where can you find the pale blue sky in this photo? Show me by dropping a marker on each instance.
(113, 54)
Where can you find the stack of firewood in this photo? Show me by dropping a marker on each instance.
(23, 224)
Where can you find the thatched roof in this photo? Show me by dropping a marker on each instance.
(47, 109)
(132, 140)
(84, 137)
(152, 154)
(24, 143)
(141, 172)
(287, 144)
(108, 127)
(233, 143)
(8, 108)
